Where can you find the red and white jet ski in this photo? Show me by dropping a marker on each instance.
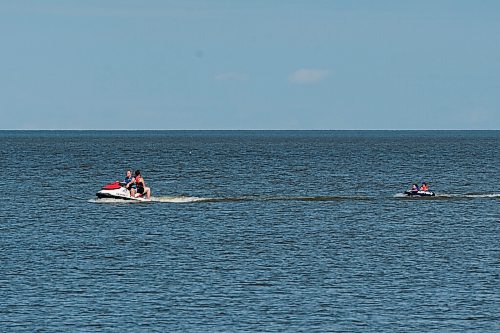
(411, 193)
(117, 190)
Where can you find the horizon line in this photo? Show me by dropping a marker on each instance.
(249, 130)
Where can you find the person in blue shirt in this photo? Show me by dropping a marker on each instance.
(414, 188)
(130, 182)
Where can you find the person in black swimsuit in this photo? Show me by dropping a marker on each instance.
(141, 187)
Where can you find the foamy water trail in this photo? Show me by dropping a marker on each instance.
(162, 199)
(193, 199)
(492, 195)
(178, 199)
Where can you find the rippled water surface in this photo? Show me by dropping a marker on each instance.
(250, 231)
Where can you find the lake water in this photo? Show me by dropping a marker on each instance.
(250, 231)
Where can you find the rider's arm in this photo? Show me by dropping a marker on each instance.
(131, 182)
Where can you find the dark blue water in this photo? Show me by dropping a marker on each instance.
(250, 231)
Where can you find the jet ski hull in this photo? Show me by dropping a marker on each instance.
(420, 193)
(119, 193)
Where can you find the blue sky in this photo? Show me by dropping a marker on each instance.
(260, 64)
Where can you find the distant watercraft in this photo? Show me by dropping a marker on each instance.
(117, 190)
(411, 193)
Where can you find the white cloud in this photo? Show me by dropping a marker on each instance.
(230, 77)
(308, 76)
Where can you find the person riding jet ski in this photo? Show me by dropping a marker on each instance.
(140, 185)
(129, 181)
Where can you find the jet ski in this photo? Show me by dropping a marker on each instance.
(411, 193)
(117, 190)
